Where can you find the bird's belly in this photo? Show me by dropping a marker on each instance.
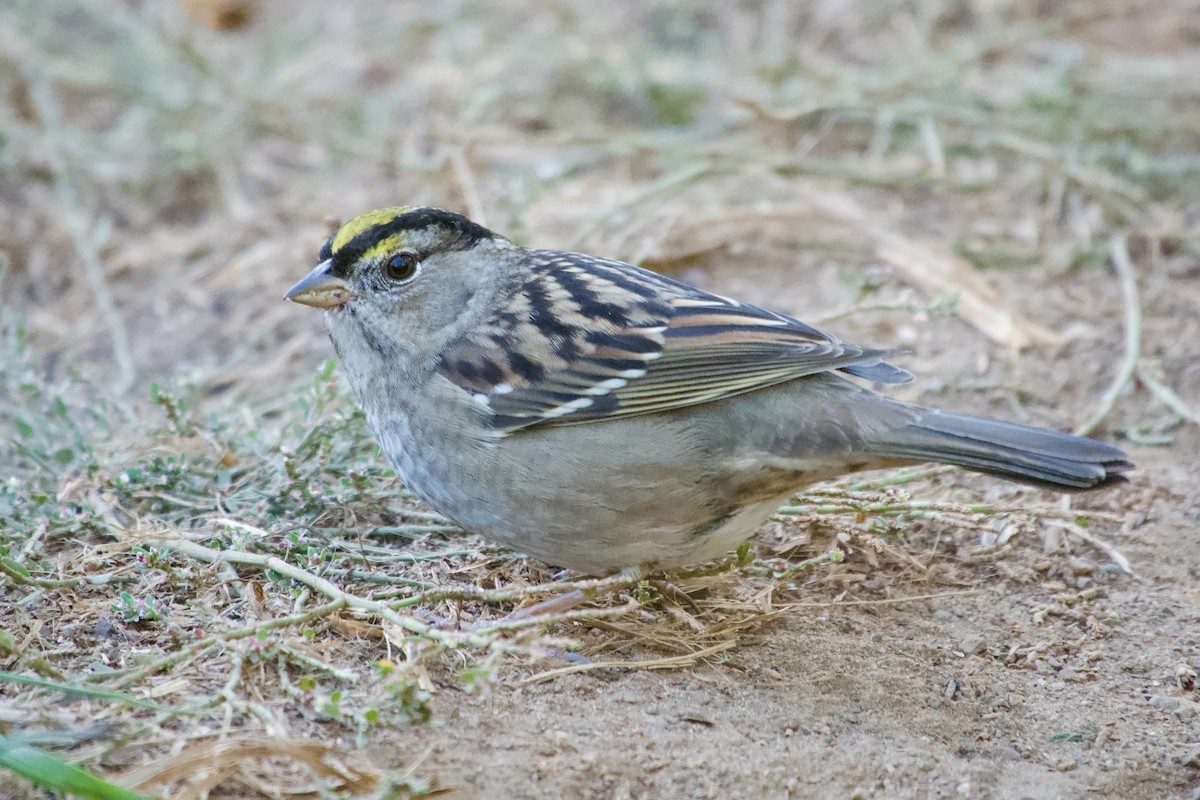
(664, 490)
(598, 525)
(619, 542)
(723, 537)
(650, 512)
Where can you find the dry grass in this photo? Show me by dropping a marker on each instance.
(180, 530)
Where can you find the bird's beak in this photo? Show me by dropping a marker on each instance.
(319, 289)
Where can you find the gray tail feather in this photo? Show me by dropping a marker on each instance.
(1035, 456)
(877, 370)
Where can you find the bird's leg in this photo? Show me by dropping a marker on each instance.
(588, 590)
(673, 593)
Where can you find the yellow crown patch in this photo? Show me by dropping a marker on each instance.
(365, 222)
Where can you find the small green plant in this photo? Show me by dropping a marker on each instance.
(645, 593)
(479, 678)
(137, 609)
(330, 706)
(410, 700)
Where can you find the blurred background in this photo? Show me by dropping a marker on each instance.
(170, 168)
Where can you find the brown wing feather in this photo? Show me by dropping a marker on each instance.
(586, 339)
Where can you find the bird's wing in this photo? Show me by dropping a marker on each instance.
(585, 339)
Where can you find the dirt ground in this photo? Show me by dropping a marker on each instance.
(968, 175)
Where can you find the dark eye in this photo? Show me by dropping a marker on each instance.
(401, 266)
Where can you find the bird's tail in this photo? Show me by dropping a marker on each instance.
(1035, 456)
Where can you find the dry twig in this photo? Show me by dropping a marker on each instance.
(1119, 248)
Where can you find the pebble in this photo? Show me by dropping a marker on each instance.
(974, 644)
(1187, 710)
(1165, 703)
(1080, 566)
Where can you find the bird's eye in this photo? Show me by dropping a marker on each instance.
(401, 267)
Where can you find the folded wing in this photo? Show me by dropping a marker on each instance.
(586, 339)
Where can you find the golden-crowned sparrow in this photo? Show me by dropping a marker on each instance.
(599, 416)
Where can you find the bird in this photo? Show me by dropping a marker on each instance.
(601, 417)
